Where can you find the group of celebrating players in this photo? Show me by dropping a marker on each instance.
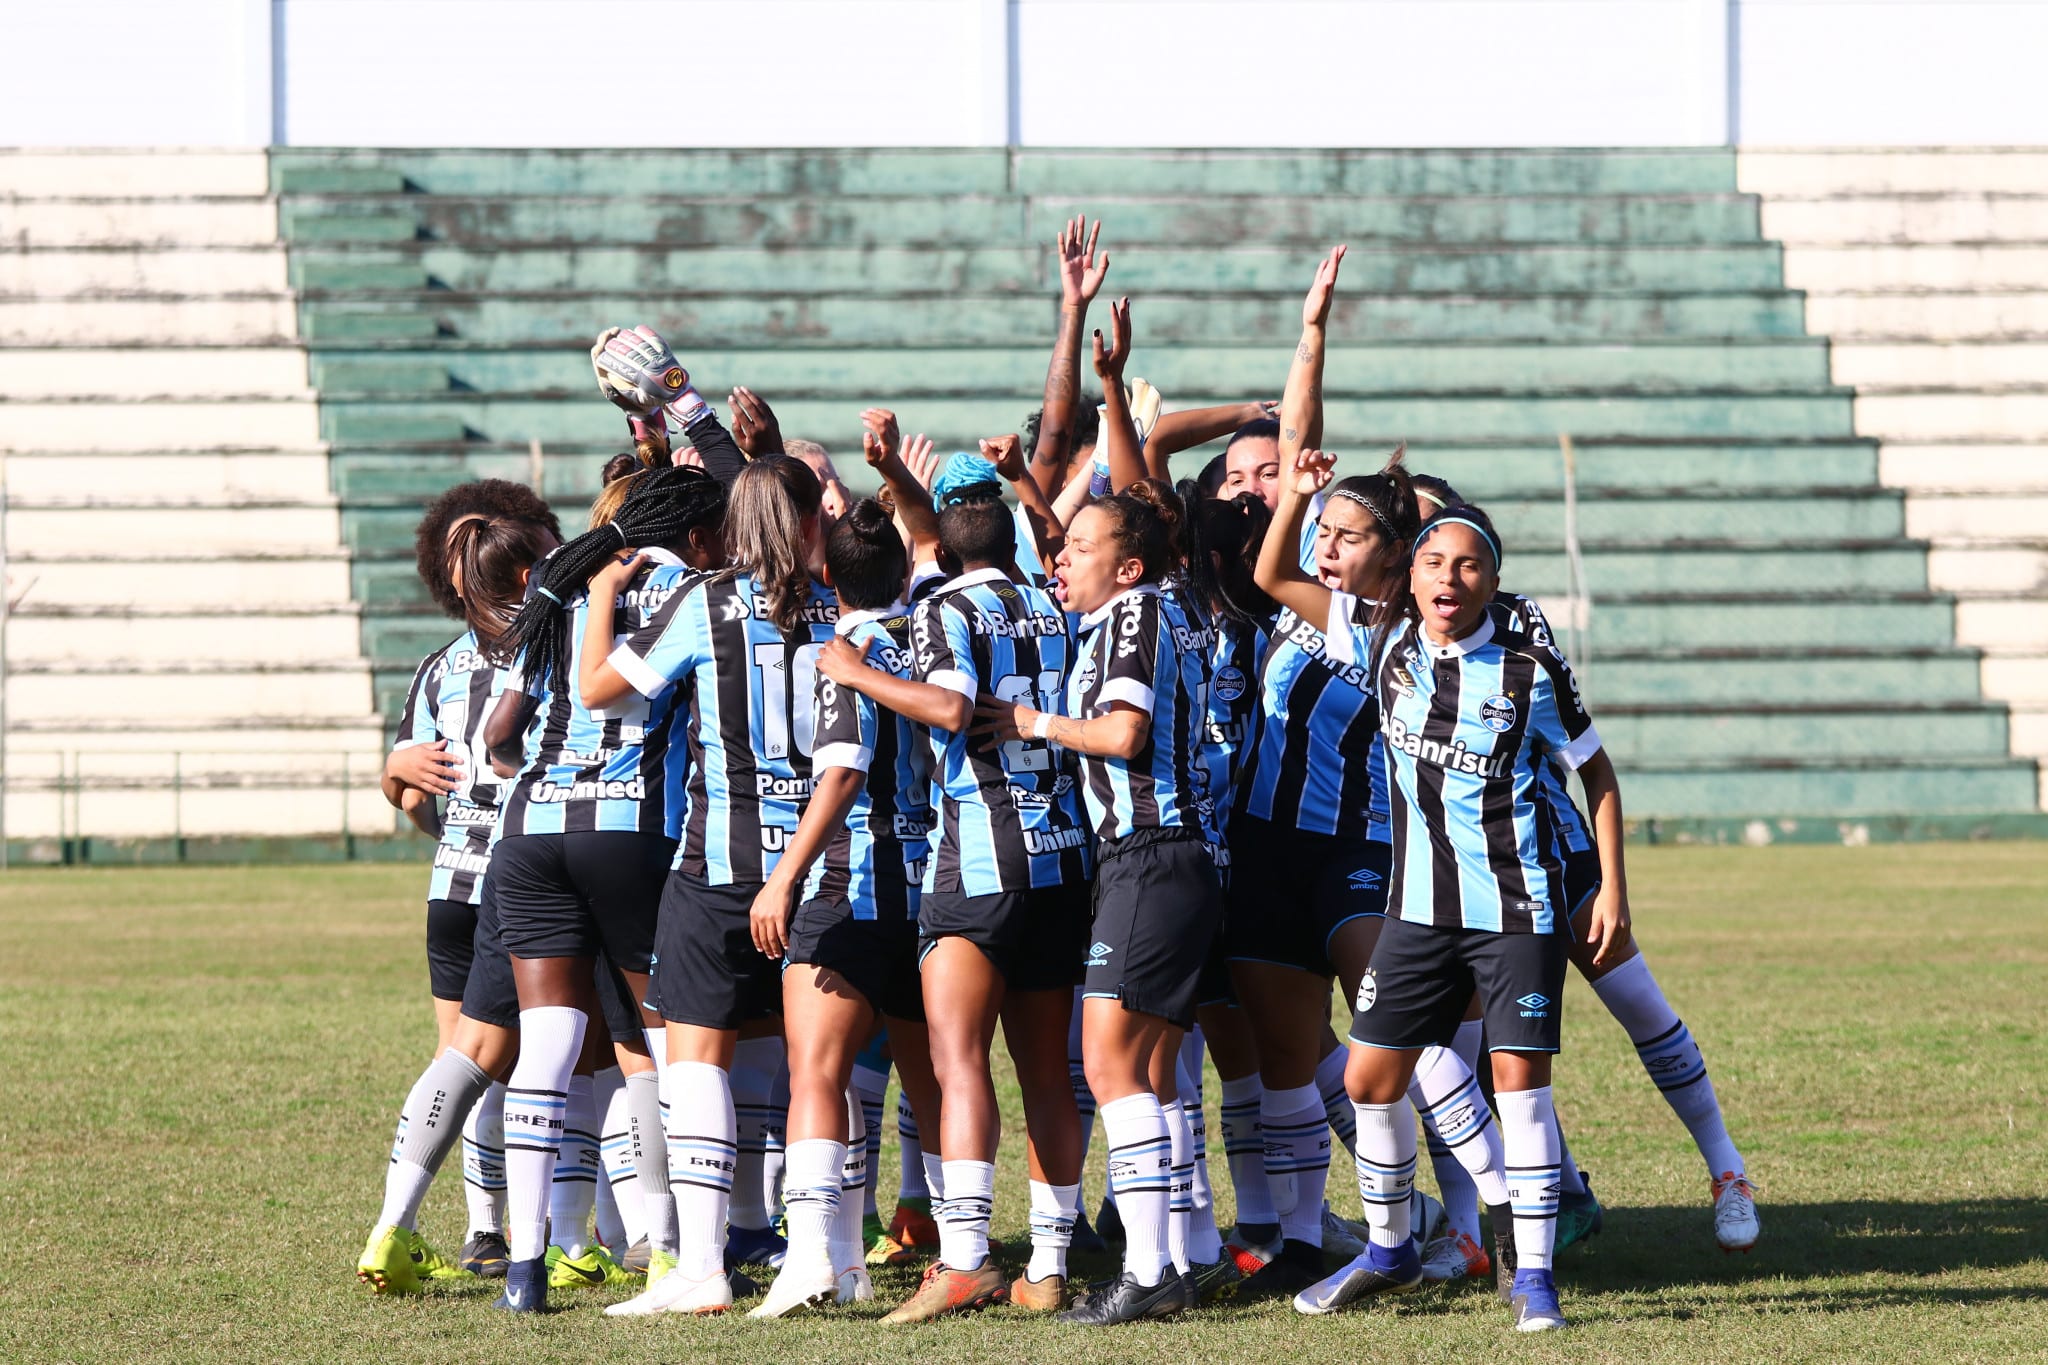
(752, 791)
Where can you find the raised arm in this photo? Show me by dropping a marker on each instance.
(598, 683)
(1301, 406)
(1279, 570)
(881, 445)
(1081, 277)
(1048, 533)
(1178, 431)
(1119, 439)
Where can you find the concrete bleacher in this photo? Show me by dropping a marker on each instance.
(185, 656)
(1765, 638)
(1928, 271)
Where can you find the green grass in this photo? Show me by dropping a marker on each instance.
(205, 1064)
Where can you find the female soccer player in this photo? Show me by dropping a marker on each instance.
(1136, 703)
(741, 647)
(1479, 899)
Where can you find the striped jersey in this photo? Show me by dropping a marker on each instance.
(748, 687)
(1236, 654)
(1318, 766)
(1008, 818)
(603, 770)
(1139, 648)
(1469, 727)
(452, 694)
(1514, 612)
(876, 859)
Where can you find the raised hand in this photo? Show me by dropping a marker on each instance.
(636, 370)
(1006, 453)
(754, 428)
(1313, 471)
(687, 457)
(1081, 275)
(883, 437)
(920, 460)
(1315, 309)
(1109, 362)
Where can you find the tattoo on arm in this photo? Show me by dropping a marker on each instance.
(1291, 433)
(1304, 354)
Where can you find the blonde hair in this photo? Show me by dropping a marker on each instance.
(611, 499)
(766, 515)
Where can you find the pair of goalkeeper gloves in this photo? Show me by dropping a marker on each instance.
(638, 373)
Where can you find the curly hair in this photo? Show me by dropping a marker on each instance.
(487, 498)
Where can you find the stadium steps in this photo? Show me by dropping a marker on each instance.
(1928, 269)
(1764, 637)
(184, 656)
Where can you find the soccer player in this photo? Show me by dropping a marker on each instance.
(1480, 898)
(1136, 705)
(855, 862)
(741, 646)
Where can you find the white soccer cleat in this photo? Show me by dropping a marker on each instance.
(677, 1292)
(1736, 1226)
(798, 1287)
(1454, 1256)
(855, 1286)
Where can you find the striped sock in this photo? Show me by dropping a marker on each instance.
(849, 1248)
(1529, 1131)
(536, 1105)
(872, 1087)
(1205, 1243)
(1336, 1099)
(621, 1211)
(483, 1161)
(702, 1155)
(964, 1213)
(1077, 1080)
(1180, 1196)
(814, 1190)
(1140, 1179)
(1297, 1140)
(1386, 1169)
(754, 1064)
(1448, 1096)
(1244, 1151)
(1672, 1058)
(1053, 1211)
(578, 1171)
(910, 1181)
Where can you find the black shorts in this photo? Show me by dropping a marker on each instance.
(1422, 978)
(707, 971)
(878, 957)
(490, 997)
(1582, 880)
(1035, 938)
(1290, 892)
(451, 943)
(576, 895)
(1157, 905)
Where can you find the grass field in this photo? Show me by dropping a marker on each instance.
(205, 1064)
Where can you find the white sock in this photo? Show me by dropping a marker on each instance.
(1180, 1197)
(911, 1182)
(619, 1199)
(702, 1154)
(1244, 1150)
(873, 1087)
(578, 1171)
(536, 1106)
(1141, 1179)
(754, 1064)
(849, 1248)
(1053, 1211)
(657, 1048)
(934, 1176)
(1673, 1060)
(813, 1189)
(1453, 1108)
(1386, 1169)
(483, 1161)
(1297, 1140)
(964, 1213)
(775, 1140)
(1205, 1243)
(1529, 1130)
(429, 1126)
(1336, 1099)
(647, 1146)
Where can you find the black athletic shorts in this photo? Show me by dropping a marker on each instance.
(1582, 880)
(1157, 905)
(707, 971)
(576, 895)
(490, 997)
(1290, 892)
(451, 943)
(1035, 938)
(878, 957)
(1422, 978)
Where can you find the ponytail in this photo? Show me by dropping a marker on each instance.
(773, 501)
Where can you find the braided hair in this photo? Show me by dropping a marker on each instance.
(665, 506)
(1224, 536)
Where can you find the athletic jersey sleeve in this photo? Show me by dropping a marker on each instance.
(665, 647)
(1346, 639)
(418, 723)
(1133, 649)
(943, 649)
(844, 728)
(1557, 715)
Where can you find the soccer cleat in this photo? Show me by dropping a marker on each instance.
(526, 1287)
(754, 1246)
(743, 1285)
(676, 1292)
(1216, 1281)
(1296, 1266)
(1109, 1224)
(637, 1257)
(1342, 1237)
(872, 1231)
(386, 1264)
(1454, 1256)
(659, 1263)
(594, 1269)
(912, 1235)
(1426, 1216)
(1535, 1302)
(1048, 1295)
(1579, 1216)
(429, 1264)
(1380, 1271)
(1125, 1300)
(798, 1287)
(485, 1255)
(1736, 1226)
(946, 1291)
(1249, 1256)
(1087, 1240)
(854, 1286)
(1501, 1224)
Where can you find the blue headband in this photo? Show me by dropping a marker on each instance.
(1448, 518)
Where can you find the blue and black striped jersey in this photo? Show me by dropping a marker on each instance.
(748, 687)
(875, 861)
(602, 770)
(1469, 727)
(1317, 766)
(451, 697)
(1569, 826)
(1236, 656)
(1008, 816)
(1140, 649)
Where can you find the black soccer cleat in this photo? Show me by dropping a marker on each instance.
(1126, 1300)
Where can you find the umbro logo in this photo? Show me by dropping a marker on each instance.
(1364, 879)
(1098, 954)
(1534, 1005)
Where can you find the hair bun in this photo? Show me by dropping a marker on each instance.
(870, 519)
